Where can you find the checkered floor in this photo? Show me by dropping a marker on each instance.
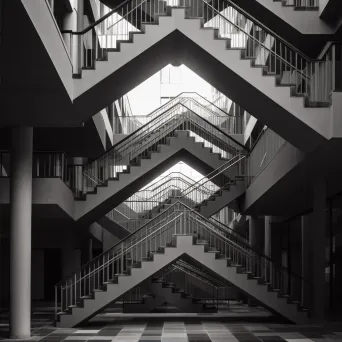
(187, 331)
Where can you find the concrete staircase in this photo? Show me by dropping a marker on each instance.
(103, 198)
(210, 206)
(269, 93)
(160, 291)
(98, 298)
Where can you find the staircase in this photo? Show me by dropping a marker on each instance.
(117, 174)
(176, 288)
(279, 79)
(160, 291)
(176, 296)
(175, 232)
(204, 196)
(207, 196)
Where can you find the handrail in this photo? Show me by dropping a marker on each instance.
(126, 15)
(226, 167)
(130, 247)
(123, 143)
(189, 92)
(269, 31)
(130, 135)
(165, 182)
(120, 242)
(222, 132)
(180, 219)
(99, 21)
(186, 99)
(174, 187)
(168, 176)
(233, 5)
(195, 275)
(253, 38)
(224, 238)
(253, 250)
(218, 223)
(199, 271)
(194, 269)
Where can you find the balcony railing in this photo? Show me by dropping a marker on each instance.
(302, 4)
(45, 164)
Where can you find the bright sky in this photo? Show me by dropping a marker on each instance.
(179, 167)
(146, 96)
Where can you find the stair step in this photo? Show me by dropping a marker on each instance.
(87, 297)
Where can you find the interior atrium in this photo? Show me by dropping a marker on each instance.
(170, 170)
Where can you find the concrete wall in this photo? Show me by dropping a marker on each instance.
(249, 128)
(50, 192)
(306, 22)
(40, 13)
(109, 240)
(56, 251)
(101, 128)
(286, 160)
(37, 272)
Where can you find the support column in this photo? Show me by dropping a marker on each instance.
(70, 24)
(80, 26)
(318, 229)
(20, 232)
(256, 237)
(90, 249)
(74, 21)
(78, 181)
(256, 234)
(268, 266)
(305, 302)
(268, 236)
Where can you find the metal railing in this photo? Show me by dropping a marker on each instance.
(301, 4)
(228, 124)
(193, 196)
(211, 107)
(145, 203)
(193, 270)
(45, 164)
(230, 231)
(216, 291)
(50, 165)
(152, 238)
(313, 79)
(175, 186)
(167, 187)
(146, 140)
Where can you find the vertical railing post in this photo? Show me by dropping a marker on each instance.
(122, 257)
(56, 302)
